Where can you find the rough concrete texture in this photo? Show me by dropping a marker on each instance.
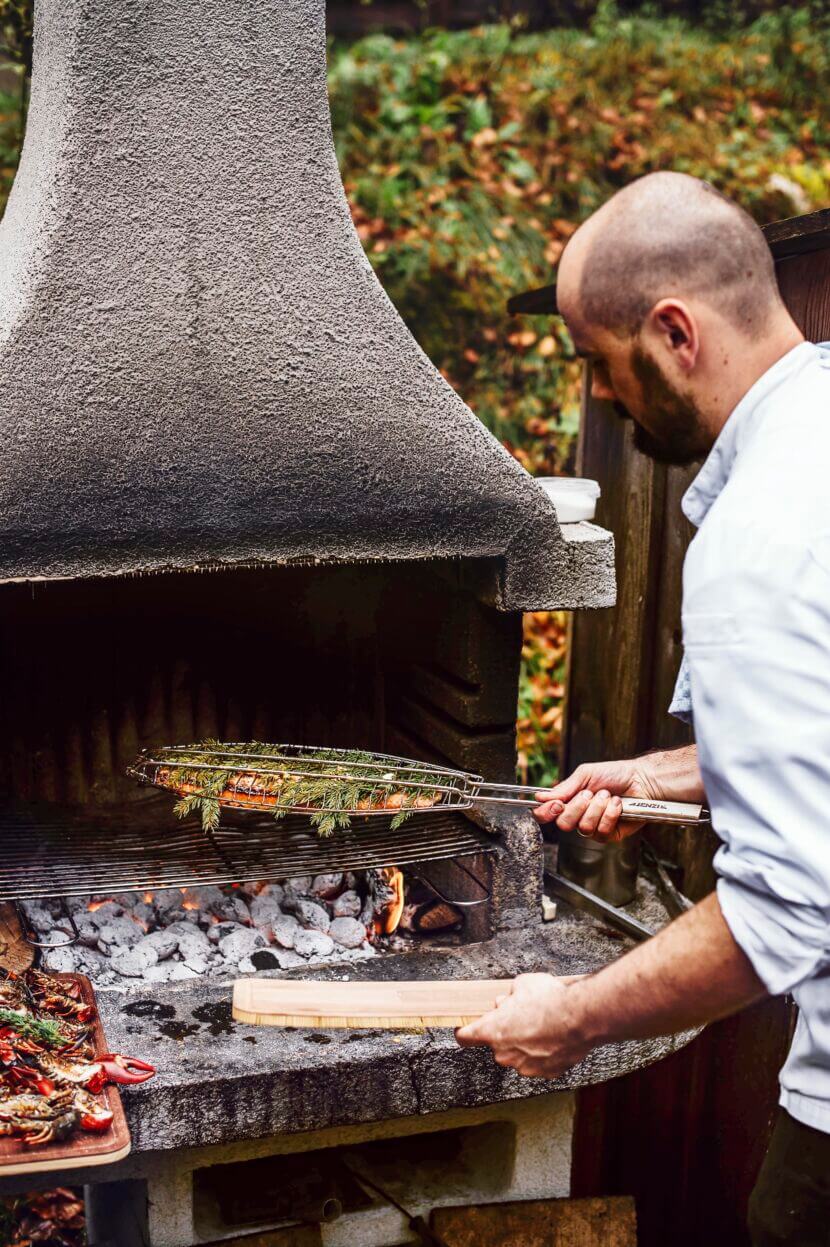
(198, 366)
(219, 1081)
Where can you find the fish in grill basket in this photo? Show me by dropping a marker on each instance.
(331, 785)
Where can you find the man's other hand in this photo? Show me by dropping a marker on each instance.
(533, 1028)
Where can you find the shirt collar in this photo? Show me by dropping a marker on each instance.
(710, 480)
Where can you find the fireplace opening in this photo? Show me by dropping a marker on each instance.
(400, 659)
(325, 1184)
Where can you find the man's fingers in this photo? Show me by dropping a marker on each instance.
(568, 788)
(570, 817)
(548, 811)
(608, 824)
(590, 820)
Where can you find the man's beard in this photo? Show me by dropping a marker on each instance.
(681, 438)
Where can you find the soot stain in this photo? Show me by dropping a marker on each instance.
(178, 1030)
(149, 1009)
(217, 1017)
(315, 1038)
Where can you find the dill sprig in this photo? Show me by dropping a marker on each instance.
(40, 1030)
(314, 781)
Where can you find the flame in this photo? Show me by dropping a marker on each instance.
(148, 898)
(93, 905)
(392, 915)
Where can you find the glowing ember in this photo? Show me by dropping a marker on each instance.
(93, 905)
(392, 916)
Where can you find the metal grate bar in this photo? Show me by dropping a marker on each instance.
(49, 852)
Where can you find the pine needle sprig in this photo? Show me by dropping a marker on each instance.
(37, 1029)
(332, 786)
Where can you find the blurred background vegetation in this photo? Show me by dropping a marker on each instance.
(469, 156)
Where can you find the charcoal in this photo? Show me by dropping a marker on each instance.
(87, 931)
(351, 881)
(165, 942)
(205, 897)
(160, 973)
(287, 959)
(218, 930)
(127, 900)
(313, 916)
(313, 944)
(167, 900)
(145, 914)
(39, 918)
(119, 933)
(347, 905)
(61, 960)
(106, 913)
(284, 930)
(263, 911)
(348, 932)
(197, 963)
(274, 891)
(193, 943)
(367, 914)
(300, 883)
(231, 909)
(133, 962)
(327, 886)
(241, 944)
(179, 972)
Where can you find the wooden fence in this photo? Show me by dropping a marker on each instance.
(686, 1136)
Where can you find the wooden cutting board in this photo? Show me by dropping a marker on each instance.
(83, 1147)
(393, 1006)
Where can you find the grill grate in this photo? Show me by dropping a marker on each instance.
(49, 851)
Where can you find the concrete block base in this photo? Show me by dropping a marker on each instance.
(516, 1150)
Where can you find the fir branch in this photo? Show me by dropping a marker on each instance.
(330, 785)
(27, 1027)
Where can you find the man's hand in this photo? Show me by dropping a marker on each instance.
(690, 973)
(589, 800)
(532, 1028)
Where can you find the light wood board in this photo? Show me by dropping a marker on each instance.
(84, 1147)
(390, 1006)
(16, 953)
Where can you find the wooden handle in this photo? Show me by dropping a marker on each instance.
(643, 809)
(390, 1006)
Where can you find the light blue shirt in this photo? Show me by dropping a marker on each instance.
(756, 681)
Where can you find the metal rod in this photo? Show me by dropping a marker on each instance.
(581, 898)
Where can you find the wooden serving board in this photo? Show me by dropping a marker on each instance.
(84, 1147)
(391, 1006)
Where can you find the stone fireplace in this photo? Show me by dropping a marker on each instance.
(237, 501)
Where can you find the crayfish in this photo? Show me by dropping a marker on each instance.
(49, 1073)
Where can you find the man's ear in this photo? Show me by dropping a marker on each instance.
(674, 330)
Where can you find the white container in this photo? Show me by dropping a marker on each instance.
(575, 498)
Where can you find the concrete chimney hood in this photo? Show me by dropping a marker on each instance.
(197, 365)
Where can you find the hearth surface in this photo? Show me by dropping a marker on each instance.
(219, 1081)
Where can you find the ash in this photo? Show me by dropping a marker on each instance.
(133, 938)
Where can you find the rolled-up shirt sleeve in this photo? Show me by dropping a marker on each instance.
(759, 667)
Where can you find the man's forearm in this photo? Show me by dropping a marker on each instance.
(674, 773)
(693, 972)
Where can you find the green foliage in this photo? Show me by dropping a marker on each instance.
(16, 25)
(469, 157)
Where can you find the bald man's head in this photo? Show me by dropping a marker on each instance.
(667, 235)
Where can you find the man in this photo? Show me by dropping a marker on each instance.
(669, 291)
